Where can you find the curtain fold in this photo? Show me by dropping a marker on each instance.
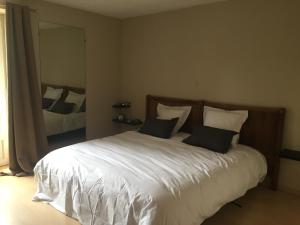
(3, 95)
(27, 136)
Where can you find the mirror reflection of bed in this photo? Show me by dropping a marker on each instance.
(62, 75)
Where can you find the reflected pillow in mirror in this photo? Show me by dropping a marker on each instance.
(75, 98)
(63, 107)
(83, 106)
(47, 102)
(53, 93)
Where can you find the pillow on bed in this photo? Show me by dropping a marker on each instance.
(224, 119)
(217, 140)
(170, 112)
(75, 98)
(63, 107)
(158, 127)
(46, 103)
(53, 93)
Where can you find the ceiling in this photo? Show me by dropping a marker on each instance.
(130, 8)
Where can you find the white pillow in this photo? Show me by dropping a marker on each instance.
(170, 112)
(225, 119)
(53, 93)
(75, 98)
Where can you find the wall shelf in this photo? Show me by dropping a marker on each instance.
(131, 122)
(121, 105)
(290, 154)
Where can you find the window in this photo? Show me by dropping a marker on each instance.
(3, 94)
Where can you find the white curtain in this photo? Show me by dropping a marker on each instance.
(3, 94)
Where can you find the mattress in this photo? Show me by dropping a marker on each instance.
(137, 179)
(61, 123)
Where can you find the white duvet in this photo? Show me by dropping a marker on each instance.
(57, 123)
(136, 179)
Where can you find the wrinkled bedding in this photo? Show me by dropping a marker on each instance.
(57, 123)
(137, 179)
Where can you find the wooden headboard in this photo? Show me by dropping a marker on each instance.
(263, 129)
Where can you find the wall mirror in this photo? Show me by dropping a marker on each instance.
(63, 80)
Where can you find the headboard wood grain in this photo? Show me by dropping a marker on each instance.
(263, 129)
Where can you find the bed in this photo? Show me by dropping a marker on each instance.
(133, 178)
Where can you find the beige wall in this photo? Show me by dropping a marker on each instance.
(62, 54)
(102, 60)
(239, 51)
(244, 52)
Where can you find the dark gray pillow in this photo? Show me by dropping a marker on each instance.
(47, 102)
(217, 140)
(63, 107)
(159, 128)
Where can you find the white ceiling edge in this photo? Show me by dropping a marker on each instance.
(46, 25)
(122, 9)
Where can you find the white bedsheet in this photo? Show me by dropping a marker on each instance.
(60, 123)
(136, 179)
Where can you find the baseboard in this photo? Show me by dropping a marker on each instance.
(289, 190)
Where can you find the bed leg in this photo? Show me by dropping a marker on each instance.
(236, 204)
